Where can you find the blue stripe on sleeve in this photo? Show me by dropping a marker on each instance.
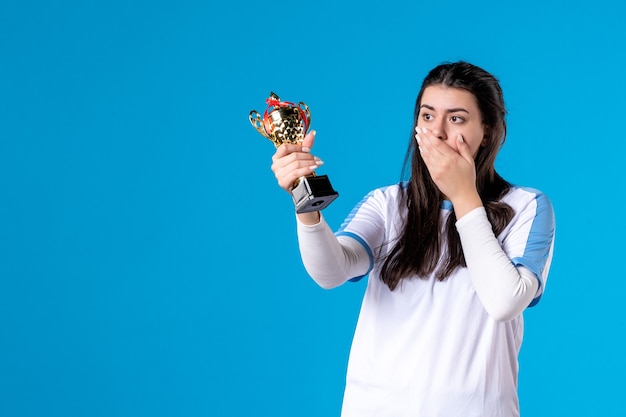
(540, 239)
(367, 249)
(341, 231)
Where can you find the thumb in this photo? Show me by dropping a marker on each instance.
(464, 150)
(307, 143)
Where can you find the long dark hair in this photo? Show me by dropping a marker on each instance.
(419, 251)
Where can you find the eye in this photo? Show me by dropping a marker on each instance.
(457, 119)
(427, 116)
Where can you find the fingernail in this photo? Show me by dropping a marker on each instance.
(314, 132)
(417, 137)
(306, 149)
(417, 129)
(460, 138)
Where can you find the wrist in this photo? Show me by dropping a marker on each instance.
(464, 205)
(309, 218)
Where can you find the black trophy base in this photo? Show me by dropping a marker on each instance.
(313, 193)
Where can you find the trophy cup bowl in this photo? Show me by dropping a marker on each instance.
(286, 122)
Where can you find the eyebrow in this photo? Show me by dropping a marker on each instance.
(454, 110)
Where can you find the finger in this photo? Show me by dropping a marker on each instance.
(287, 148)
(299, 161)
(288, 174)
(436, 144)
(464, 149)
(296, 159)
(426, 139)
(429, 147)
(307, 143)
(418, 137)
(301, 167)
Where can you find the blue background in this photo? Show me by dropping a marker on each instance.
(148, 261)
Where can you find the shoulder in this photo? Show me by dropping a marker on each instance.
(391, 190)
(520, 198)
(376, 207)
(386, 194)
(531, 204)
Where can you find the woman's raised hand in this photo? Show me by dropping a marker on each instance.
(291, 162)
(451, 168)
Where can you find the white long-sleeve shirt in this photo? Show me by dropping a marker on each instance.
(434, 348)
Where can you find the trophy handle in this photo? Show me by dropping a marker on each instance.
(307, 121)
(257, 122)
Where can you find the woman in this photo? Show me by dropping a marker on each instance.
(454, 256)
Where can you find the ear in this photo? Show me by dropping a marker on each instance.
(485, 135)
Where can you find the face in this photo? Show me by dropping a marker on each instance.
(448, 111)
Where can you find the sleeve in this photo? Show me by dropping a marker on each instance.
(530, 241)
(509, 275)
(504, 290)
(368, 222)
(330, 260)
(333, 258)
(538, 225)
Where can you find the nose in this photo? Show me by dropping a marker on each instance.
(438, 129)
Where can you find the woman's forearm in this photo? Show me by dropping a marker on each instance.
(504, 289)
(330, 260)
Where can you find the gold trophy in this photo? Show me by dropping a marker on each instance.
(285, 122)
